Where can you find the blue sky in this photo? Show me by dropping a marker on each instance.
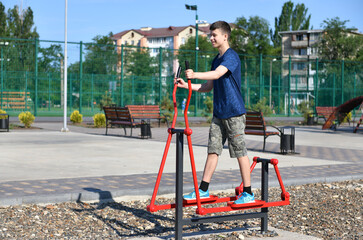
(88, 18)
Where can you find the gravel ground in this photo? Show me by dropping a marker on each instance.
(324, 210)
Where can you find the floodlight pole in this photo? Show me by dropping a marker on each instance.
(65, 129)
(195, 8)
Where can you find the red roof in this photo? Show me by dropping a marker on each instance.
(160, 32)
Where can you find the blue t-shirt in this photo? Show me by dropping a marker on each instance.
(228, 101)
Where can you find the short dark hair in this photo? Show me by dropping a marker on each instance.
(222, 25)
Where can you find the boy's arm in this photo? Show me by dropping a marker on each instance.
(211, 75)
(205, 87)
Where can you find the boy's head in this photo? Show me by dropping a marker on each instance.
(222, 26)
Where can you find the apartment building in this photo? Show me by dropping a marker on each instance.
(154, 38)
(302, 47)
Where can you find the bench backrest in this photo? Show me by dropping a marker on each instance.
(110, 113)
(14, 100)
(324, 111)
(123, 114)
(144, 111)
(255, 121)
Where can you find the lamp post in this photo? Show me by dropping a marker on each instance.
(195, 8)
(65, 129)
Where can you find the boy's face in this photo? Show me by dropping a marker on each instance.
(218, 38)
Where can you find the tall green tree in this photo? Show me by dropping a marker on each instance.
(3, 29)
(251, 36)
(21, 24)
(339, 41)
(141, 63)
(100, 56)
(291, 18)
(187, 52)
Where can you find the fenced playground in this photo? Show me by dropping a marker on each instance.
(32, 78)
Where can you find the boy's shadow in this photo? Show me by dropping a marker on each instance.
(119, 226)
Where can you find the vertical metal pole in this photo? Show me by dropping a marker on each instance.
(26, 90)
(160, 71)
(179, 186)
(196, 61)
(2, 76)
(36, 78)
(48, 92)
(65, 129)
(122, 77)
(261, 80)
(333, 89)
(270, 87)
(133, 89)
(279, 91)
(70, 92)
(92, 97)
(342, 83)
(317, 82)
(80, 76)
(264, 195)
(289, 90)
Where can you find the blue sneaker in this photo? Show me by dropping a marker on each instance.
(245, 198)
(192, 195)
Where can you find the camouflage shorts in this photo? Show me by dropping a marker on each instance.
(232, 129)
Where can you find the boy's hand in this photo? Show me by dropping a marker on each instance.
(181, 83)
(189, 74)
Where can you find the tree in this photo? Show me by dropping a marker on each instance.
(101, 56)
(21, 26)
(290, 19)
(3, 29)
(187, 52)
(49, 58)
(141, 63)
(339, 41)
(251, 36)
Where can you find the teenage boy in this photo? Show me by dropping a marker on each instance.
(228, 111)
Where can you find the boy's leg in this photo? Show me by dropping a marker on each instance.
(210, 167)
(244, 167)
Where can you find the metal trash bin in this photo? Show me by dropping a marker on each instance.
(287, 142)
(145, 130)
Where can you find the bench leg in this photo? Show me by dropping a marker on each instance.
(264, 143)
(106, 128)
(125, 130)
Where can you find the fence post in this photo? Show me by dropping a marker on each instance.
(342, 83)
(70, 93)
(26, 90)
(279, 92)
(122, 77)
(2, 77)
(261, 77)
(48, 92)
(133, 89)
(36, 78)
(80, 76)
(160, 70)
(92, 100)
(289, 90)
(334, 89)
(317, 82)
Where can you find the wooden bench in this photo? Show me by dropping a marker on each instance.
(147, 112)
(324, 112)
(14, 100)
(255, 125)
(119, 116)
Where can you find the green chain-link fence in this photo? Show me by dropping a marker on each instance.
(32, 78)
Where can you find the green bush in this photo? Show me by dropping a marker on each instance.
(208, 110)
(261, 106)
(99, 120)
(168, 107)
(76, 117)
(306, 108)
(106, 100)
(26, 118)
(2, 112)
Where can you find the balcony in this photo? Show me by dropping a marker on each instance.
(299, 44)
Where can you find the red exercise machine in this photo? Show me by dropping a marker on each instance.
(263, 204)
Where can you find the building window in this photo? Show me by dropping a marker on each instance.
(299, 66)
(132, 42)
(191, 30)
(132, 35)
(300, 52)
(183, 40)
(299, 37)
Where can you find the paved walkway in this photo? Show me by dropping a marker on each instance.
(46, 165)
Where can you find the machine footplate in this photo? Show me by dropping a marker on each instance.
(211, 198)
(244, 205)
